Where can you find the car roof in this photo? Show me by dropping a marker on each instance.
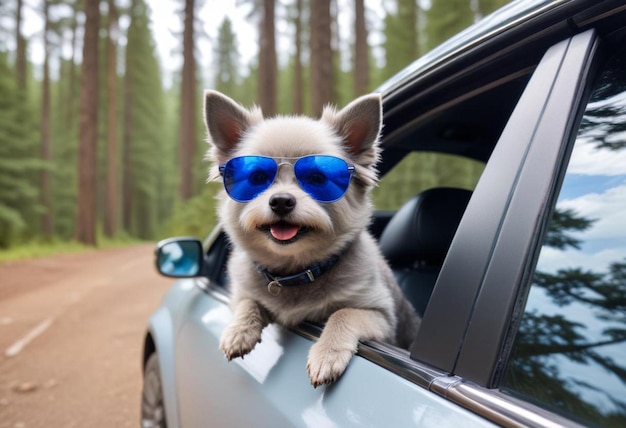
(457, 98)
(481, 32)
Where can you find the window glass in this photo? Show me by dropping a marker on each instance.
(420, 171)
(570, 351)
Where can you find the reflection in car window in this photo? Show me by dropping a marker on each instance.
(570, 352)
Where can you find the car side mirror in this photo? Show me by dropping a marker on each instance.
(179, 257)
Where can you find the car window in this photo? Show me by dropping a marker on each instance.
(420, 171)
(570, 352)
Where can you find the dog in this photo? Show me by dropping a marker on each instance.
(296, 206)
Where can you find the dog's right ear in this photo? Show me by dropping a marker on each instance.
(226, 123)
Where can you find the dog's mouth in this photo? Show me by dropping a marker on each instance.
(284, 232)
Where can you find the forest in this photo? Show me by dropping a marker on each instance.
(94, 146)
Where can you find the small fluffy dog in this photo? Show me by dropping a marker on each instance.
(296, 208)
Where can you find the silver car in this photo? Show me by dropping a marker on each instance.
(520, 273)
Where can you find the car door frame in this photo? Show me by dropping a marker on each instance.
(479, 297)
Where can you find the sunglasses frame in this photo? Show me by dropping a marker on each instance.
(285, 161)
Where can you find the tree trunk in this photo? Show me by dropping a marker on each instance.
(111, 200)
(361, 57)
(21, 47)
(187, 131)
(298, 91)
(46, 150)
(267, 60)
(127, 180)
(88, 129)
(321, 56)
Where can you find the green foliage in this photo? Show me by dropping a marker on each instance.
(445, 18)
(64, 121)
(154, 115)
(150, 154)
(421, 171)
(401, 37)
(19, 161)
(227, 60)
(196, 217)
(37, 248)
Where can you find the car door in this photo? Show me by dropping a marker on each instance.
(270, 386)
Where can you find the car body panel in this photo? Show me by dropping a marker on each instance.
(272, 383)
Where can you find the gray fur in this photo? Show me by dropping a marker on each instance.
(358, 299)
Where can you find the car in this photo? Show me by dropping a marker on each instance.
(514, 253)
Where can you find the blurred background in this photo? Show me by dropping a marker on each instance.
(101, 130)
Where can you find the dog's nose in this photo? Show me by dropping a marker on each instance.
(282, 203)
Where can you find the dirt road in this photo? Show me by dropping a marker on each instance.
(71, 333)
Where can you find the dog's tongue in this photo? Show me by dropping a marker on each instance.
(284, 231)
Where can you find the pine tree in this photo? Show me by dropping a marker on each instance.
(187, 127)
(485, 7)
(401, 37)
(361, 54)
(226, 60)
(111, 191)
(88, 129)
(321, 56)
(146, 155)
(46, 144)
(298, 73)
(19, 195)
(267, 60)
(446, 18)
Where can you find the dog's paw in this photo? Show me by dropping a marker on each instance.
(326, 364)
(238, 340)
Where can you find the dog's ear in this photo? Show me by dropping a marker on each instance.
(359, 125)
(226, 122)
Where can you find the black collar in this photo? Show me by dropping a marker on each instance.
(307, 276)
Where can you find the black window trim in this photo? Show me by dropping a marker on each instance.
(502, 294)
(461, 299)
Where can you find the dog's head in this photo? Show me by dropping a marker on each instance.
(297, 189)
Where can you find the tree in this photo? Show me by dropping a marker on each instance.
(226, 59)
(321, 56)
(401, 37)
(88, 128)
(361, 54)
(146, 154)
(46, 191)
(298, 78)
(485, 7)
(64, 121)
(267, 60)
(445, 18)
(111, 205)
(187, 127)
(19, 196)
(21, 47)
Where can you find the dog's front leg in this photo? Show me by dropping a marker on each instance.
(244, 332)
(329, 357)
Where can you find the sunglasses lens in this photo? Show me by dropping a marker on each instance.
(246, 177)
(325, 178)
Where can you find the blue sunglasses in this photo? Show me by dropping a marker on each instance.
(324, 178)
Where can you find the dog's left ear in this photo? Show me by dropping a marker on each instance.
(359, 124)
